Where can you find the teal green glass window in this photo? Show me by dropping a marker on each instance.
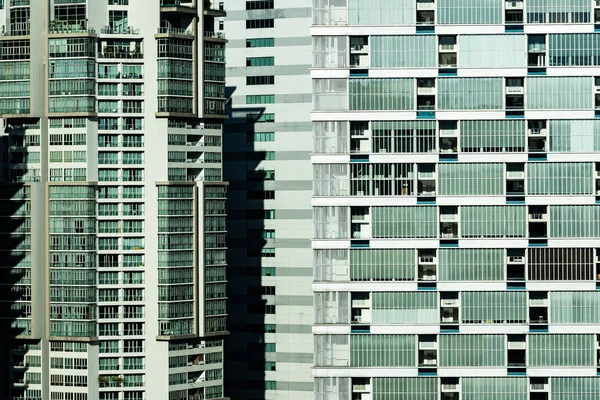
(262, 137)
(260, 61)
(382, 264)
(381, 12)
(409, 51)
(404, 308)
(574, 307)
(494, 307)
(470, 93)
(493, 221)
(471, 179)
(405, 222)
(492, 388)
(260, 99)
(575, 388)
(471, 265)
(560, 178)
(260, 42)
(574, 221)
(270, 347)
(558, 11)
(575, 49)
(382, 94)
(562, 350)
(472, 350)
(382, 350)
(492, 51)
(109, 364)
(470, 12)
(492, 136)
(405, 388)
(559, 92)
(575, 136)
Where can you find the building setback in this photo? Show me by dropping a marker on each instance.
(267, 146)
(112, 205)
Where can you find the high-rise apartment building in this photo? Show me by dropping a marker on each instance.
(456, 199)
(267, 148)
(112, 206)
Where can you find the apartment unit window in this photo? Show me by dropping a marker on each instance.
(260, 80)
(260, 99)
(268, 271)
(261, 175)
(261, 118)
(261, 137)
(270, 385)
(260, 61)
(260, 23)
(260, 42)
(260, 195)
(260, 5)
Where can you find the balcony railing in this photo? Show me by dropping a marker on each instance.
(63, 28)
(216, 35)
(175, 3)
(106, 53)
(175, 31)
(107, 30)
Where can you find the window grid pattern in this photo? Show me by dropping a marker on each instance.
(574, 308)
(331, 137)
(382, 351)
(561, 350)
(558, 11)
(408, 51)
(492, 51)
(330, 52)
(456, 12)
(382, 265)
(575, 49)
(405, 388)
(404, 222)
(493, 221)
(575, 388)
(494, 307)
(492, 388)
(471, 179)
(574, 136)
(580, 221)
(470, 93)
(559, 92)
(403, 136)
(492, 136)
(560, 264)
(471, 265)
(404, 308)
(381, 12)
(382, 94)
(472, 350)
(560, 178)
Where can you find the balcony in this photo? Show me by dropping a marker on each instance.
(214, 8)
(58, 28)
(220, 36)
(514, 5)
(111, 52)
(107, 30)
(171, 30)
(178, 6)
